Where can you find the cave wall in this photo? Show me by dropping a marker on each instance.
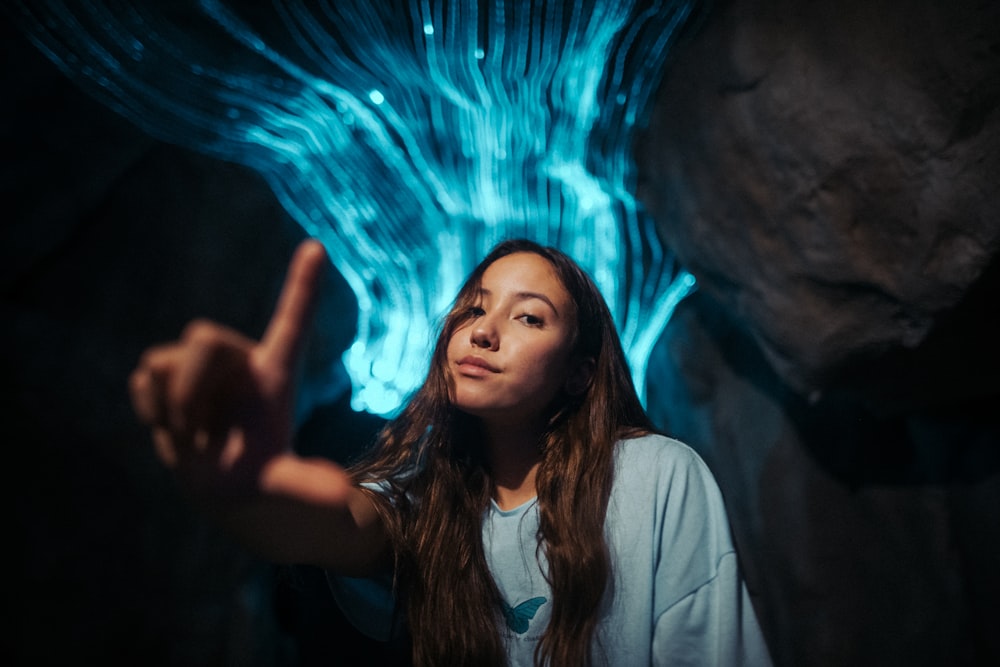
(828, 172)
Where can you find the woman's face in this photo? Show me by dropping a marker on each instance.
(514, 354)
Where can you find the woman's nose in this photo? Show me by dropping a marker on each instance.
(484, 335)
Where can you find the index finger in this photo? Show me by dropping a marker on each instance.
(286, 332)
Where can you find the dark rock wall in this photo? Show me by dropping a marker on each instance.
(845, 152)
(828, 170)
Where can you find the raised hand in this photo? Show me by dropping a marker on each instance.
(221, 405)
(221, 409)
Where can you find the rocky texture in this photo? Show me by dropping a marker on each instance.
(866, 539)
(829, 172)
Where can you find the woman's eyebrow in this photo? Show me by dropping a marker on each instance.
(524, 296)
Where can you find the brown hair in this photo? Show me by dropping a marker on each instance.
(441, 487)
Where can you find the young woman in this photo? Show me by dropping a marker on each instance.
(523, 505)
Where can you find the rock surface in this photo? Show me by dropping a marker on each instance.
(829, 172)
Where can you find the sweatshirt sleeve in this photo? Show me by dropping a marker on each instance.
(368, 603)
(713, 625)
(702, 613)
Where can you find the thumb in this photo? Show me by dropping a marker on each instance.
(285, 335)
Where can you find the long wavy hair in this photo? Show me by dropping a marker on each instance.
(440, 486)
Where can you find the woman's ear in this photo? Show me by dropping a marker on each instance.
(580, 374)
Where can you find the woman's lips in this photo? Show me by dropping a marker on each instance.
(476, 366)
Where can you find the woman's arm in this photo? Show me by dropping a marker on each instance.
(220, 407)
(307, 511)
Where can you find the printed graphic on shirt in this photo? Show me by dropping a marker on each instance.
(519, 617)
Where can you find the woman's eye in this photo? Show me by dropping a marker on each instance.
(476, 311)
(531, 320)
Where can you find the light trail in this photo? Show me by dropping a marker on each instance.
(409, 136)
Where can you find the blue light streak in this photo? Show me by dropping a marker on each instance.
(409, 137)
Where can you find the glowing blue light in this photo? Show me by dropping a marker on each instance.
(530, 136)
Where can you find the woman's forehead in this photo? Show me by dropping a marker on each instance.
(523, 278)
(523, 273)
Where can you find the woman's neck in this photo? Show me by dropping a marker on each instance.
(514, 454)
